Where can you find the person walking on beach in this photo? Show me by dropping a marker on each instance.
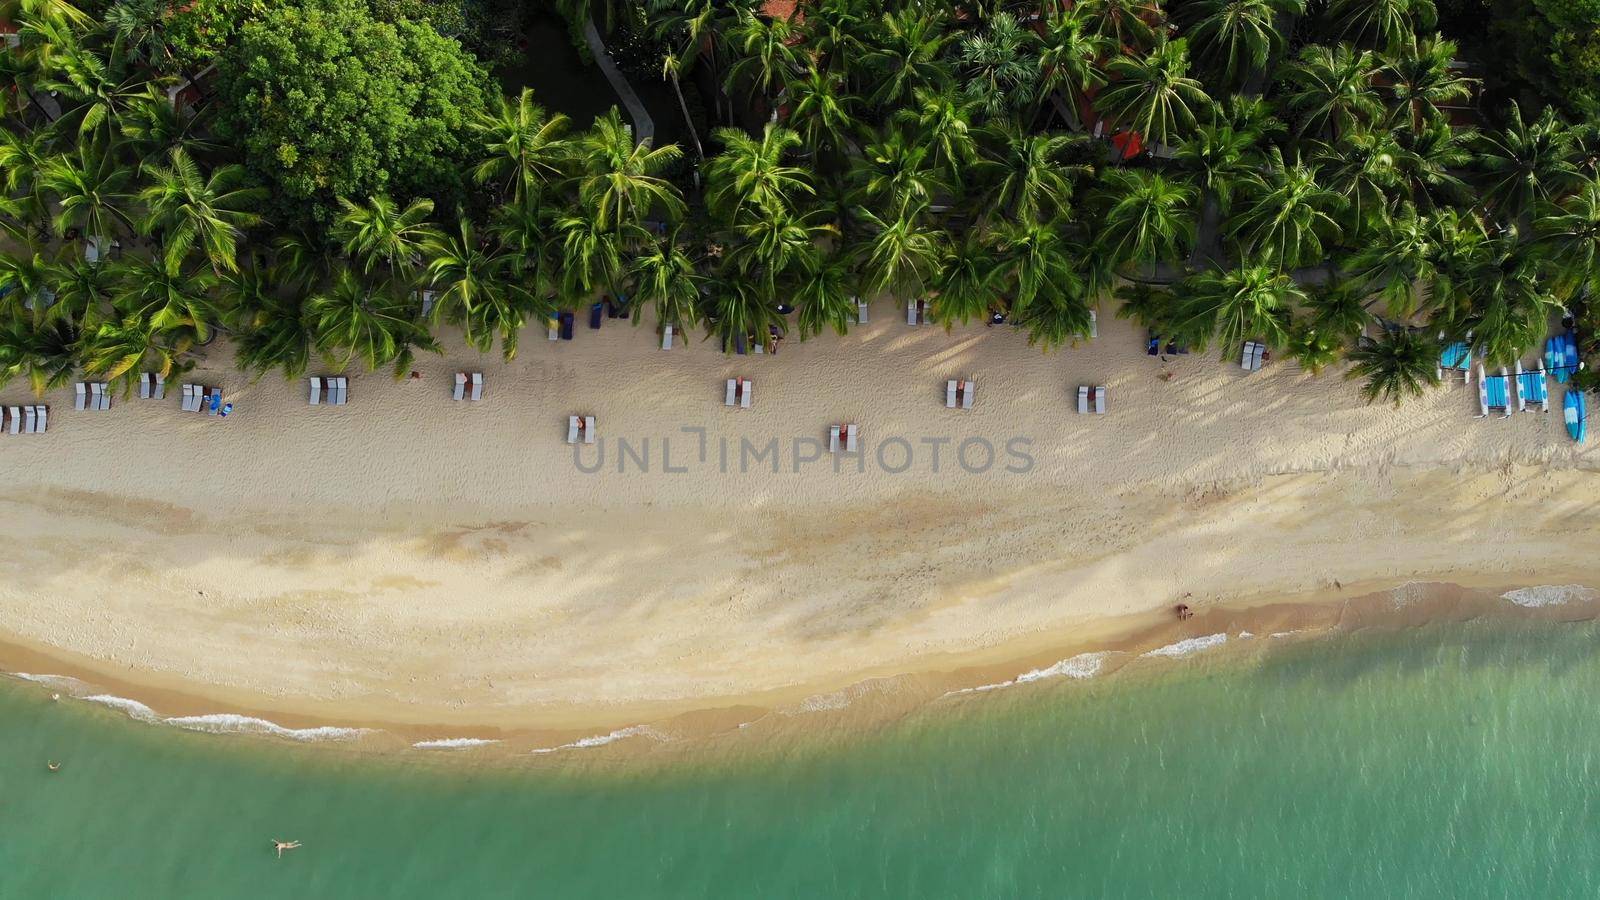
(281, 846)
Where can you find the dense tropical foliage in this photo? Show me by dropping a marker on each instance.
(1330, 180)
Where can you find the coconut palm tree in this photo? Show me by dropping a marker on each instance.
(525, 148)
(588, 255)
(738, 310)
(190, 209)
(1221, 160)
(1025, 176)
(1154, 95)
(1526, 164)
(380, 232)
(153, 127)
(1130, 25)
(1399, 364)
(771, 247)
(1069, 59)
(1569, 240)
(180, 305)
(822, 112)
(823, 297)
(1384, 25)
(1233, 38)
(1362, 167)
(138, 28)
(470, 278)
(1155, 308)
(834, 30)
(1511, 305)
(89, 185)
(968, 281)
(999, 65)
(1056, 319)
(1339, 309)
(665, 277)
(1249, 301)
(272, 334)
(85, 291)
(1037, 263)
(897, 171)
(98, 87)
(1428, 162)
(766, 55)
(24, 156)
(119, 348)
(1425, 78)
(1330, 89)
(943, 119)
(350, 322)
(45, 355)
(620, 180)
(750, 173)
(900, 254)
(25, 285)
(1148, 217)
(1396, 262)
(1290, 219)
(905, 56)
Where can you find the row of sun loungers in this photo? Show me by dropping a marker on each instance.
(199, 398)
(916, 312)
(469, 386)
(842, 436)
(959, 393)
(738, 393)
(1092, 397)
(1255, 353)
(152, 386)
(91, 395)
(580, 428)
(334, 390)
(25, 419)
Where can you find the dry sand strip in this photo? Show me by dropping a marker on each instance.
(409, 558)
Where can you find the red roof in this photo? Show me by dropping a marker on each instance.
(780, 9)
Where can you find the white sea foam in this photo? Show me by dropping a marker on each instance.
(1245, 634)
(1189, 646)
(1084, 665)
(133, 708)
(600, 740)
(60, 682)
(1550, 595)
(453, 743)
(232, 723)
(841, 698)
(1279, 634)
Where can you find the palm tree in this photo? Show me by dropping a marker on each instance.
(589, 255)
(1234, 38)
(1070, 58)
(1428, 162)
(943, 119)
(1130, 25)
(906, 56)
(1055, 320)
(739, 311)
(750, 174)
(89, 185)
(25, 285)
(1312, 346)
(1363, 167)
(99, 84)
(1527, 164)
(1398, 365)
(524, 148)
(189, 209)
(1025, 176)
(85, 291)
(620, 179)
(1037, 264)
(1425, 78)
(180, 306)
(1290, 219)
(350, 322)
(1149, 218)
(138, 27)
(1154, 95)
(821, 110)
(381, 232)
(1382, 24)
(771, 247)
(45, 355)
(1331, 88)
(118, 348)
(1339, 309)
(900, 255)
(275, 334)
(1511, 306)
(473, 290)
(1250, 301)
(823, 298)
(1569, 240)
(1396, 261)
(24, 157)
(767, 58)
(60, 11)
(896, 172)
(968, 282)
(1221, 160)
(999, 65)
(665, 276)
(154, 128)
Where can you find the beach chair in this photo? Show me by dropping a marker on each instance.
(160, 389)
(833, 439)
(96, 391)
(596, 313)
(572, 429)
(1532, 388)
(214, 405)
(144, 385)
(16, 419)
(950, 394)
(1456, 357)
(80, 398)
(745, 391)
(105, 395)
(588, 429)
(666, 337)
(850, 437)
(30, 419)
(477, 386)
(1094, 324)
(342, 385)
(1248, 355)
(191, 398)
(1083, 398)
(42, 417)
(911, 312)
(1100, 400)
(731, 393)
(1493, 393)
(316, 391)
(567, 320)
(861, 312)
(555, 328)
(461, 386)
(1257, 357)
(968, 388)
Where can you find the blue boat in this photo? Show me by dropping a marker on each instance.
(1561, 355)
(1573, 410)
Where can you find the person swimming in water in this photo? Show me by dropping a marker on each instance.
(53, 766)
(281, 846)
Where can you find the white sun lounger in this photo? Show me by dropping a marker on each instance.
(344, 390)
(1083, 398)
(477, 386)
(30, 419)
(950, 394)
(191, 398)
(16, 419)
(1094, 324)
(850, 438)
(160, 389)
(731, 393)
(911, 312)
(666, 337)
(555, 329)
(1257, 357)
(968, 388)
(80, 398)
(460, 392)
(96, 395)
(105, 395)
(42, 415)
(861, 312)
(833, 439)
(588, 429)
(1248, 354)
(745, 391)
(144, 385)
(572, 429)
(316, 391)
(1100, 400)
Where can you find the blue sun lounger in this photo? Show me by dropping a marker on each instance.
(1493, 392)
(1456, 357)
(1532, 388)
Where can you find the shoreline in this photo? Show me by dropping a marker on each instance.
(446, 566)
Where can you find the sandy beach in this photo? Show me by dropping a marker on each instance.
(409, 559)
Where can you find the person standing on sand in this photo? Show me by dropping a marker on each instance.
(281, 846)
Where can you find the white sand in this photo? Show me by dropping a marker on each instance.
(407, 558)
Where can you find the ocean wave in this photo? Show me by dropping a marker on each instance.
(1084, 665)
(133, 708)
(1189, 646)
(1550, 595)
(60, 682)
(453, 743)
(232, 723)
(600, 740)
(841, 698)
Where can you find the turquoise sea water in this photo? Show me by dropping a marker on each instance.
(1441, 761)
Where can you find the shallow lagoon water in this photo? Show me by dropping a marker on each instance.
(1443, 760)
